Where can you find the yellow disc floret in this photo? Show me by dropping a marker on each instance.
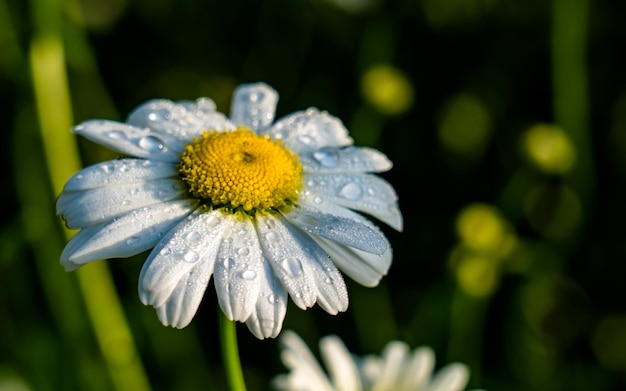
(241, 170)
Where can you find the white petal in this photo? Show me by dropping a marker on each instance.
(183, 120)
(83, 208)
(254, 105)
(182, 304)
(131, 140)
(134, 232)
(363, 192)
(303, 268)
(121, 171)
(238, 270)
(419, 369)
(339, 224)
(394, 357)
(332, 160)
(194, 242)
(306, 373)
(453, 377)
(365, 268)
(310, 130)
(266, 320)
(340, 364)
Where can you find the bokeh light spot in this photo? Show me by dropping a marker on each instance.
(465, 126)
(549, 148)
(388, 89)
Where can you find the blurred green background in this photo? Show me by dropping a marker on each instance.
(506, 121)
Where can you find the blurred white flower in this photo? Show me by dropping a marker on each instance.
(398, 369)
(264, 207)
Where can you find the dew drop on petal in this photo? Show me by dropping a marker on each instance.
(307, 140)
(351, 191)
(212, 221)
(243, 251)
(165, 251)
(272, 236)
(159, 115)
(326, 157)
(132, 240)
(249, 275)
(116, 135)
(134, 191)
(152, 144)
(227, 262)
(292, 266)
(193, 237)
(317, 200)
(272, 299)
(191, 257)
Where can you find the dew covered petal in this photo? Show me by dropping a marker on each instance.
(363, 192)
(131, 140)
(339, 224)
(254, 105)
(303, 268)
(83, 208)
(181, 306)
(266, 320)
(238, 270)
(310, 130)
(194, 242)
(363, 267)
(181, 120)
(332, 160)
(128, 235)
(117, 172)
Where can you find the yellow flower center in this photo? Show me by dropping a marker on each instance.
(241, 170)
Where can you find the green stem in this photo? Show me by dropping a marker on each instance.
(230, 353)
(54, 109)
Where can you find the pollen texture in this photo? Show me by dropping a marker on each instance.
(239, 169)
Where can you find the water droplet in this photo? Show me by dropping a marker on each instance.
(371, 191)
(117, 135)
(328, 280)
(327, 157)
(292, 266)
(351, 191)
(79, 177)
(249, 275)
(212, 221)
(165, 251)
(243, 251)
(132, 240)
(152, 144)
(134, 192)
(124, 168)
(242, 232)
(191, 256)
(317, 200)
(307, 140)
(159, 115)
(193, 237)
(126, 202)
(271, 236)
(228, 262)
(108, 167)
(272, 299)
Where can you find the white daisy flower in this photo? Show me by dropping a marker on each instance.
(266, 208)
(398, 369)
